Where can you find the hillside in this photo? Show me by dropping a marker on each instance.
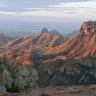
(22, 47)
(82, 45)
(37, 41)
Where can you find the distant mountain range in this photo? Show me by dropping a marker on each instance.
(44, 30)
(24, 34)
(4, 39)
(72, 34)
(18, 34)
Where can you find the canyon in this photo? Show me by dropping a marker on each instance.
(46, 60)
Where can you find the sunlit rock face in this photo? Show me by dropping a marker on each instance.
(88, 27)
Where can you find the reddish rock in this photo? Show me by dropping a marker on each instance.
(88, 27)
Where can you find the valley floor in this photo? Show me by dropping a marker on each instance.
(81, 90)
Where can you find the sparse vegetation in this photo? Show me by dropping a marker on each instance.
(44, 94)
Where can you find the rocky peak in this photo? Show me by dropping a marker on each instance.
(54, 32)
(88, 27)
(44, 30)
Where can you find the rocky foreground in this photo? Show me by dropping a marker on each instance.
(88, 90)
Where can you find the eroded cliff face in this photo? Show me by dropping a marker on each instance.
(88, 27)
(17, 78)
(68, 72)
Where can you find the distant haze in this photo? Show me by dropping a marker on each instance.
(31, 16)
(35, 27)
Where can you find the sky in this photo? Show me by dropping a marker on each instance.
(33, 15)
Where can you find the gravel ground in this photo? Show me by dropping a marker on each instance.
(89, 90)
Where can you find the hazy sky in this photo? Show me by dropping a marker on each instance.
(32, 15)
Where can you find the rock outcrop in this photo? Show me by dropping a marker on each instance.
(25, 78)
(88, 27)
(17, 78)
